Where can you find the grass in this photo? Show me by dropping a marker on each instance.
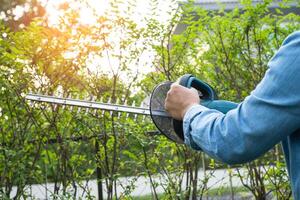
(212, 192)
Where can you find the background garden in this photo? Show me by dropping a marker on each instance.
(117, 56)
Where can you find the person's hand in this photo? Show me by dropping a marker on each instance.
(179, 99)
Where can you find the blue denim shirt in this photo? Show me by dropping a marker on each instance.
(269, 115)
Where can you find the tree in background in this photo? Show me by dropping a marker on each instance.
(46, 143)
(229, 50)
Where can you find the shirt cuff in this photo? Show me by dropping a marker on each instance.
(191, 113)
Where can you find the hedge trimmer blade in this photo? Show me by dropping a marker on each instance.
(94, 105)
(160, 117)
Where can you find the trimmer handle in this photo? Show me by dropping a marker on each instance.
(208, 99)
(208, 95)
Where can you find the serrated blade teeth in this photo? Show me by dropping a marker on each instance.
(118, 103)
(91, 104)
(70, 97)
(90, 99)
(133, 105)
(144, 116)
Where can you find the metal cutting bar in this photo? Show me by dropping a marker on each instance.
(94, 105)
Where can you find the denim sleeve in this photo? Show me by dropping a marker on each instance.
(268, 115)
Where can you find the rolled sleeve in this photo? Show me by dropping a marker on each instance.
(189, 116)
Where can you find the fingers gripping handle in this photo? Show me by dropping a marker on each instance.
(209, 96)
(208, 99)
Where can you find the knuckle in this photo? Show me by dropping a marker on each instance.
(175, 86)
(166, 100)
(169, 93)
(166, 107)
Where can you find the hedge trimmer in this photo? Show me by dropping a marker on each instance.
(168, 126)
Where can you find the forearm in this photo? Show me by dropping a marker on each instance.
(268, 115)
(242, 134)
